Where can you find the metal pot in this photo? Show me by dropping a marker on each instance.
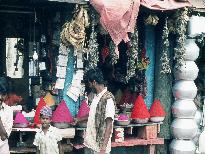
(202, 143)
(157, 119)
(196, 138)
(184, 128)
(184, 89)
(182, 147)
(188, 71)
(191, 50)
(184, 108)
(198, 117)
(195, 26)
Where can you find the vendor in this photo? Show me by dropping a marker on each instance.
(6, 117)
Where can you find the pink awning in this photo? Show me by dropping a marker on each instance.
(118, 17)
(164, 4)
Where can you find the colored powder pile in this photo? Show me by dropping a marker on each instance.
(49, 99)
(123, 117)
(20, 119)
(84, 109)
(38, 109)
(62, 113)
(157, 109)
(140, 109)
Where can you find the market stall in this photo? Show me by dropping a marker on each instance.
(65, 38)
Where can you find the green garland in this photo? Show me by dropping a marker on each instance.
(180, 27)
(132, 55)
(165, 49)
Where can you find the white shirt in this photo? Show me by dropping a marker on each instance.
(6, 114)
(48, 143)
(90, 135)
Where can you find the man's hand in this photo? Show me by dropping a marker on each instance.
(3, 133)
(3, 138)
(102, 151)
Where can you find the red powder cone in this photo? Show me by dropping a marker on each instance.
(157, 109)
(38, 109)
(140, 109)
(20, 119)
(84, 109)
(62, 113)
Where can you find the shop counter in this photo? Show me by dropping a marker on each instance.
(144, 135)
(22, 147)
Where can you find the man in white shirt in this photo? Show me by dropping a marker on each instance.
(6, 117)
(100, 119)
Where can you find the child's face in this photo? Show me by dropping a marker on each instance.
(45, 121)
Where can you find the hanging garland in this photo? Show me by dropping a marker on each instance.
(112, 53)
(93, 48)
(165, 49)
(180, 28)
(132, 54)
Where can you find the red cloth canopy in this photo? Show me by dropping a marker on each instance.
(118, 17)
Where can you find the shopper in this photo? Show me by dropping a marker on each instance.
(47, 138)
(6, 117)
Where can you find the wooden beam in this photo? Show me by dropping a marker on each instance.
(71, 1)
(128, 142)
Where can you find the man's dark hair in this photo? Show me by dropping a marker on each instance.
(4, 86)
(94, 74)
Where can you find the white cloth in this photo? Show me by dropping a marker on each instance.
(90, 135)
(48, 143)
(6, 114)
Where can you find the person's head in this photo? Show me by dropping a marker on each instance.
(94, 77)
(4, 89)
(45, 116)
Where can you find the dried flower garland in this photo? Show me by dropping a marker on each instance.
(73, 32)
(151, 20)
(93, 48)
(113, 55)
(180, 26)
(132, 55)
(165, 49)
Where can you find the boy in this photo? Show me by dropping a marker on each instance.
(47, 138)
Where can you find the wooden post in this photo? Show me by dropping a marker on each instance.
(151, 149)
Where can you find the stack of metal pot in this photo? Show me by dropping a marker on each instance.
(184, 127)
